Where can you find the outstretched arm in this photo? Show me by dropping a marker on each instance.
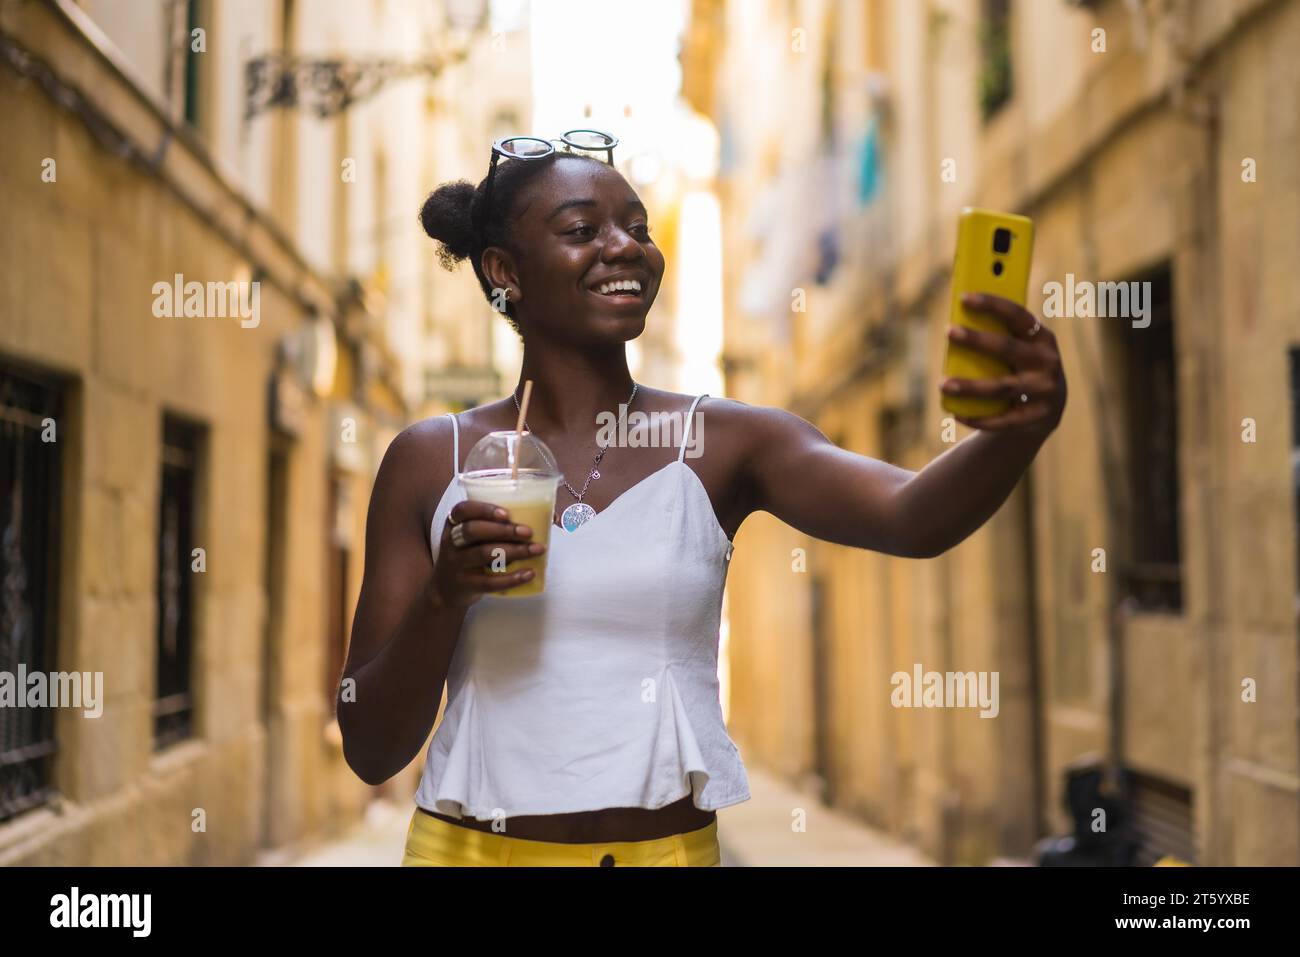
(805, 480)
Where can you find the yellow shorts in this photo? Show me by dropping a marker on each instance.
(432, 842)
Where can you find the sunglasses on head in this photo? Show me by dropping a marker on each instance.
(534, 147)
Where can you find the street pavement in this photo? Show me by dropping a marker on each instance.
(759, 832)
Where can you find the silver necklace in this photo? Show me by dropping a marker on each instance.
(579, 513)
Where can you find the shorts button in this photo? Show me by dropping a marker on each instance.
(607, 860)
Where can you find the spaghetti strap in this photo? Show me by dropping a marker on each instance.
(455, 449)
(686, 432)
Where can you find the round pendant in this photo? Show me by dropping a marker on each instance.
(595, 473)
(576, 515)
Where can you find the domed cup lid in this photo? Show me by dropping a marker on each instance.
(500, 452)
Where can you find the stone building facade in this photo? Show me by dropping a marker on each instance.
(185, 479)
(1137, 593)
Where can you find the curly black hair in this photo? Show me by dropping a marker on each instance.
(453, 214)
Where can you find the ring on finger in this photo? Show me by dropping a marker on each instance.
(1037, 325)
(1024, 397)
(458, 534)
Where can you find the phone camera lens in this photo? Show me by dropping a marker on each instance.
(1001, 240)
(997, 267)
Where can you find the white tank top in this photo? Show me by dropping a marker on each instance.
(602, 691)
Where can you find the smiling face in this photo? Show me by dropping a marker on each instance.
(582, 249)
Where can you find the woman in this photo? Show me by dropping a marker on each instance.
(583, 724)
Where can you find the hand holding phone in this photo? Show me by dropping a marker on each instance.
(1003, 369)
(993, 256)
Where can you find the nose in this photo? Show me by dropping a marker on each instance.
(622, 245)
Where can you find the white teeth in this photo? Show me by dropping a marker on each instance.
(606, 288)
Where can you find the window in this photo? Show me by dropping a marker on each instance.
(1152, 573)
(995, 56)
(185, 74)
(29, 530)
(193, 63)
(174, 704)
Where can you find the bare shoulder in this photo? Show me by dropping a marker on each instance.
(720, 416)
(753, 439)
(415, 470)
(727, 433)
(432, 440)
(425, 450)
(423, 446)
(748, 427)
(730, 412)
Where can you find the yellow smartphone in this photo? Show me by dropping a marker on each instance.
(993, 255)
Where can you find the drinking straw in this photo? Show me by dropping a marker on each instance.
(519, 425)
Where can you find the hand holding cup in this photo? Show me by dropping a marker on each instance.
(477, 538)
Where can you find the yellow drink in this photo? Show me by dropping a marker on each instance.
(530, 501)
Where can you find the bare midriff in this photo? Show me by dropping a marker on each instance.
(607, 826)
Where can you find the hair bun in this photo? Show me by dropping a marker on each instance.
(447, 216)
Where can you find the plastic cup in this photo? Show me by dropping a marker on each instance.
(527, 493)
